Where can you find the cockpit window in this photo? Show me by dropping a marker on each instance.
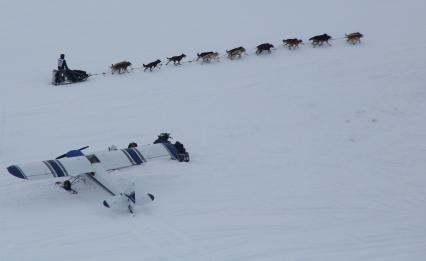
(93, 159)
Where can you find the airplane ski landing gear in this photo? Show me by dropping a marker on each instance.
(67, 184)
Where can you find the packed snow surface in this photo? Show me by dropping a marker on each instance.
(311, 154)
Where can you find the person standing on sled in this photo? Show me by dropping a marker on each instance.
(62, 69)
(62, 64)
(64, 72)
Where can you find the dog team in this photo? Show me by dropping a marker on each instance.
(236, 53)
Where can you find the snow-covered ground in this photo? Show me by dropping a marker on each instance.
(312, 154)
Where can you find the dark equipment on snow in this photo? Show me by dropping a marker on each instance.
(69, 76)
(132, 145)
(163, 138)
(182, 154)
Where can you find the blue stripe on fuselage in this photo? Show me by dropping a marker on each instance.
(134, 155)
(128, 157)
(50, 168)
(140, 154)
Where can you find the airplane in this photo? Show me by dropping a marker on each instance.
(76, 166)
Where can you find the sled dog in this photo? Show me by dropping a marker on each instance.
(152, 65)
(120, 67)
(176, 59)
(236, 52)
(319, 40)
(292, 43)
(354, 38)
(264, 47)
(210, 56)
(201, 55)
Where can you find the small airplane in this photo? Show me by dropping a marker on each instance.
(76, 166)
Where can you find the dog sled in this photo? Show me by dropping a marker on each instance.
(68, 76)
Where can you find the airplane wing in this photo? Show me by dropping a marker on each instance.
(109, 160)
(51, 168)
(158, 150)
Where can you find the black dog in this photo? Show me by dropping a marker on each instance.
(176, 59)
(319, 40)
(152, 65)
(264, 47)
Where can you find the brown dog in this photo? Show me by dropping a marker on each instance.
(264, 47)
(201, 55)
(354, 38)
(210, 56)
(236, 52)
(175, 59)
(292, 43)
(120, 67)
(152, 65)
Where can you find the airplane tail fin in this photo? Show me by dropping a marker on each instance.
(128, 201)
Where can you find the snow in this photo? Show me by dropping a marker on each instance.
(312, 154)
